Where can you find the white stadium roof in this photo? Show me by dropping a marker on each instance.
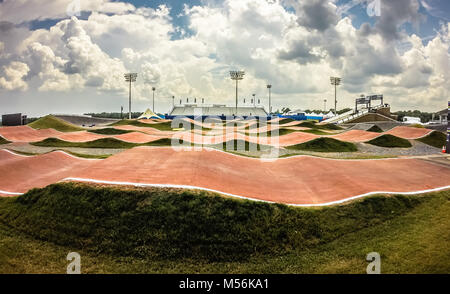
(217, 110)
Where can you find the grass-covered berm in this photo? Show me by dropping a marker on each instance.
(125, 229)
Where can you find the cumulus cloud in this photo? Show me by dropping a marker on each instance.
(19, 11)
(13, 76)
(295, 50)
(315, 14)
(392, 15)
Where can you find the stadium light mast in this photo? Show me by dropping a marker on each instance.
(335, 81)
(130, 78)
(237, 76)
(325, 105)
(254, 100)
(173, 101)
(153, 89)
(270, 101)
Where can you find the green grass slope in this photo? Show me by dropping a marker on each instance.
(51, 122)
(239, 145)
(111, 143)
(390, 141)
(324, 144)
(160, 230)
(173, 224)
(110, 131)
(3, 141)
(314, 125)
(164, 126)
(375, 129)
(435, 139)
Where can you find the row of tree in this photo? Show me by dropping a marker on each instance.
(115, 115)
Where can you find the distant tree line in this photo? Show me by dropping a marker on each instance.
(424, 116)
(285, 110)
(115, 115)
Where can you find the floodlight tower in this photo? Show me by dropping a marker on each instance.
(270, 101)
(153, 89)
(325, 105)
(335, 81)
(173, 101)
(254, 100)
(130, 78)
(236, 76)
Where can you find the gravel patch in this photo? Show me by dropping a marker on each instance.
(418, 148)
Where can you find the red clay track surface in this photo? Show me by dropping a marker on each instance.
(27, 134)
(408, 132)
(356, 136)
(297, 180)
(81, 136)
(21, 173)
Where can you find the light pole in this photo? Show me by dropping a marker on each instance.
(335, 81)
(254, 100)
(325, 105)
(153, 89)
(173, 101)
(236, 76)
(130, 78)
(270, 102)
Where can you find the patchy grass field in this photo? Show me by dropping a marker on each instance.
(124, 230)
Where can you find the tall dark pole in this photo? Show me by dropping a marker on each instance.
(130, 77)
(173, 101)
(237, 75)
(153, 89)
(270, 100)
(336, 82)
(129, 103)
(335, 99)
(236, 96)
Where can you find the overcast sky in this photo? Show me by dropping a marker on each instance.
(56, 59)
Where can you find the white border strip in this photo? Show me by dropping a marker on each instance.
(10, 193)
(16, 154)
(249, 198)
